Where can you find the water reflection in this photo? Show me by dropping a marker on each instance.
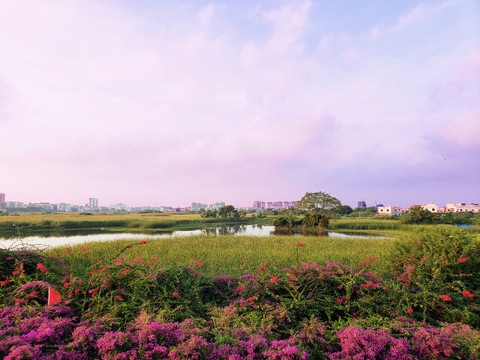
(56, 238)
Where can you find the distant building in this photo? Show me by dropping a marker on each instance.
(121, 207)
(462, 207)
(379, 205)
(362, 204)
(216, 206)
(273, 205)
(2, 197)
(92, 202)
(433, 208)
(390, 210)
(64, 207)
(259, 205)
(198, 206)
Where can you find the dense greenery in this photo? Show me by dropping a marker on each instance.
(417, 215)
(125, 300)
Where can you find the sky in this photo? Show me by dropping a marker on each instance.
(162, 103)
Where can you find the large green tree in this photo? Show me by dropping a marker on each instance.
(321, 205)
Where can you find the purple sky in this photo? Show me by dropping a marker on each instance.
(165, 103)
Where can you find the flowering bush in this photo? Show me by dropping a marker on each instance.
(135, 309)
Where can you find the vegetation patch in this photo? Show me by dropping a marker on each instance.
(129, 304)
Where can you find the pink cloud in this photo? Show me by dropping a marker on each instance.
(464, 129)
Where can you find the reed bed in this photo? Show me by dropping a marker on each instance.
(232, 255)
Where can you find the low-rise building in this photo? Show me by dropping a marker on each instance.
(390, 210)
(433, 208)
(463, 207)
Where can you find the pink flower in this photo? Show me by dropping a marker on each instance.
(292, 276)
(118, 297)
(118, 262)
(410, 310)
(445, 297)
(274, 280)
(339, 301)
(126, 271)
(462, 260)
(175, 294)
(41, 267)
(467, 293)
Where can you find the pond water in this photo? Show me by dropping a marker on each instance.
(80, 237)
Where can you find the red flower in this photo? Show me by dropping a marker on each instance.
(300, 244)
(339, 301)
(85, 249)
(292, 276)
(197, 262)
(273, 280)
(67, 285)
(3, 283)
(251, 299)
(118, 297)
(467, 293)
(68, 250)
(462, 260)
(410, 310)
(175, 294)
(142, 242)
(41, 267)
(445, 297)
(126, 271)
(263, 265)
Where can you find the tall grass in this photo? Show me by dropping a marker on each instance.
(231, 254)
(130, 222)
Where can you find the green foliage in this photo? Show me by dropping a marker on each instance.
(209, 214)
(345, 210)
(319, 202)
(440, 269)
(287, 221)
(417, 215)
(228, 211)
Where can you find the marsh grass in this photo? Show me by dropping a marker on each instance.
(233, 255)
(151, 222)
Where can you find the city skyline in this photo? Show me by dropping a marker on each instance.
(93, 204)
(150, 103)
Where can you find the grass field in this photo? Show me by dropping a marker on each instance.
(232, 254)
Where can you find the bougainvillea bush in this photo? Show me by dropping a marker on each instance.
(132, 308)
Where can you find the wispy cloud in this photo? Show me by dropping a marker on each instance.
(188, 107)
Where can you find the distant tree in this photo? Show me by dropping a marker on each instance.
(417, 215)
(319, 203)
(227, 211)
(320, 207)
(345, 210)
(209, 214)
